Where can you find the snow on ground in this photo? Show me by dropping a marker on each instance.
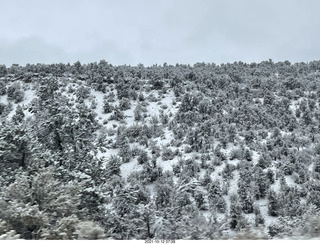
(310, 168)
(234, 183)
(276, 186)
(290, 181)
(202, 173)
(109, 152)
(29, 95)
(127, 168)
(207, 215)
(3, 99)
(167, 165)
(129, 115)
(255, 157)
(216, 174)
(151, 189)
(250, 218)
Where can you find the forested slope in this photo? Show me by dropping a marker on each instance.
(207, 151)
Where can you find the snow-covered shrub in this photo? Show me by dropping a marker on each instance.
(141, 97)
(15, 92)
(107, 107)
(236, 153)
(6, 233)
(150, 174)
(164, 106)
(164, 118)
(113, 166)
(152, 98)
(154, 119)
(71, 89)
(93, 104)
(167, 154)
(253, 233)
(3, 88)
(3, 70)
(219, 153)
(143, 158)
(187, 149)
(176, 169)
(155, 149)
(189, 102)
(82, 92)
(216, 201)
(125, 153)
(64, 229)
(227, 171)
(124, 104)
(117, 115)
(201, 202)
(138, 113)
(247, 155)
(2, 108)
(311, 224)
(216, 161)
(284, 227)
(88, 230)
(157, 84)
(133, 132)
(133, 94)
(264, 161)
(237, 219)
(163, 193)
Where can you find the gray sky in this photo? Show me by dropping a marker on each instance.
(158, 31)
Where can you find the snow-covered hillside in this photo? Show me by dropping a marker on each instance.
(180, 152)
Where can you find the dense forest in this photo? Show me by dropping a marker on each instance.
(96, 151)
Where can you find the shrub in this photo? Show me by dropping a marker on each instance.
(167, 154)
(236, 154)
(88, 230)
(107, 107)
(2, 108)
(82, 92)
(15, 93)
(143, 158)
(3, 88)
(124, 104)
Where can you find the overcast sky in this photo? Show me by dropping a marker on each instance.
(158, 31)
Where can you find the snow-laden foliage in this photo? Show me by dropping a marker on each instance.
(96, 151)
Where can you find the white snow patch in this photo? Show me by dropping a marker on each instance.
(128, 168)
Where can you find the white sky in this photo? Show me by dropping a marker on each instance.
(158, 31)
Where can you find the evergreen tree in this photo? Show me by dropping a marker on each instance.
(216, 201)
(32, 203)
(261, 183)
(237, 220)
(107, 107)
(273, 205)
(128, 220)
(15, 141)
(258, 219)
(244, 189)
(113, 166)
(248, 155)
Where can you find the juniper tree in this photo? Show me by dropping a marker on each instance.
(216, 201)
(273, 204)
